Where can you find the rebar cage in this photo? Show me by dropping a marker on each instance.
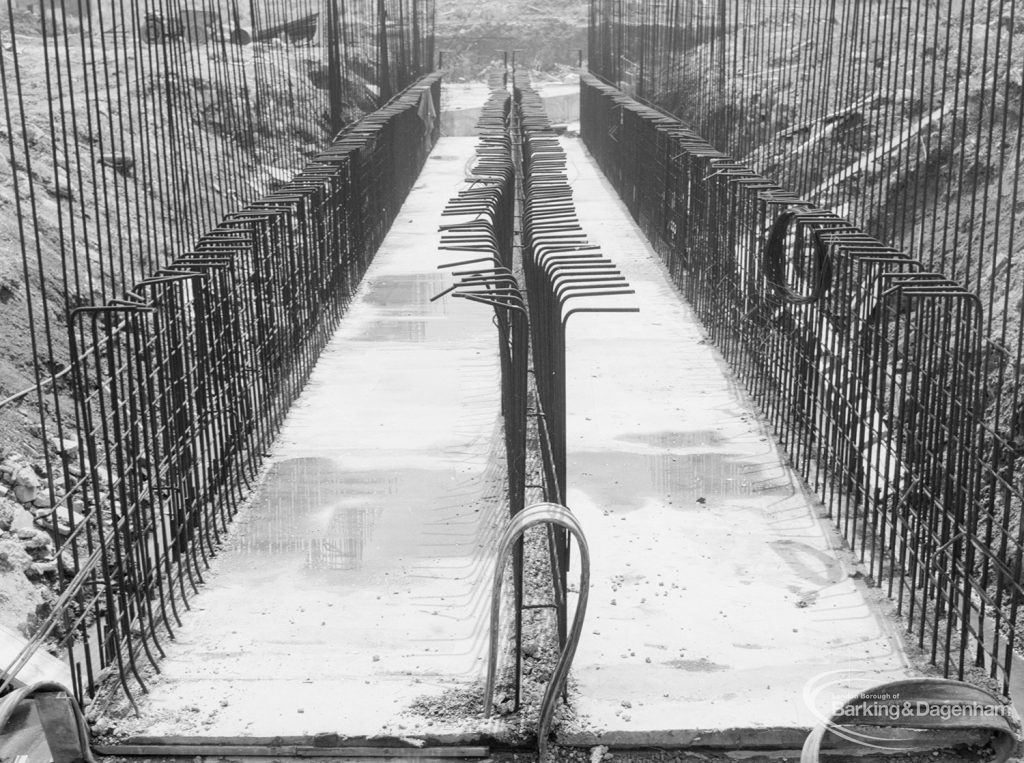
(835, 188)
(193, 203)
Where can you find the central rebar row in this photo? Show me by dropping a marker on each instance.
(517, 219)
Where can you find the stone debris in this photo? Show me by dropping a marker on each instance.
(121, 163)
(34, 513)
(66, 447)
(44, 498)
(58, 520)
(26, 484)
(7, 515)
(40, 570)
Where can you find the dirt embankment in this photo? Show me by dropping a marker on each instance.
(547, 33)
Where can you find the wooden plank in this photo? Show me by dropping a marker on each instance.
(192, 750)
(145, 740)
(775, 739)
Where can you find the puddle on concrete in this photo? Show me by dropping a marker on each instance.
(405, 291)
(703, 665)
(677, 440)
(312, 509)
(440, 328)
(625, 480)
(407, 313)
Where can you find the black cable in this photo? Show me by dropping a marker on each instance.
(776, 259)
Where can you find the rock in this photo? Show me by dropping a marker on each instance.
(45, 519)
(31, 134)
(23, 523)
(13, 557)
(43, 500)
(103, 475)
(21, 601)
(26, 484)
(6, 516)
(38, 545)
(9, 468)
(40, 570)
(25, 494)
(121, 163)
(66, 447)
(67, 562)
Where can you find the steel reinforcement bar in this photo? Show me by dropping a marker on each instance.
(482, 232)
(561, 266)
(183, 381)
(867, 364)
(515, 223)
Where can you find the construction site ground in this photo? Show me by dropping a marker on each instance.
(353, 591)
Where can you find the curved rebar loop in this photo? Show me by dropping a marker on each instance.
(539, 514)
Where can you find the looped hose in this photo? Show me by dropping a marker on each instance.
(918, 705)
(775, 256)
(9, 703)
(558, 516)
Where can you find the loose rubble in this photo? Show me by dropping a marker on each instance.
(36, 521)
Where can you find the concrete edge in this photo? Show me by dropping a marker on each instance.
(775, 738)
(318, 741)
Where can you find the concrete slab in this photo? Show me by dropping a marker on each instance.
(357, 581)
(719, 597)
(42, 667)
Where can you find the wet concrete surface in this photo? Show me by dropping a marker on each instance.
(718, 593)
(356, 583)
